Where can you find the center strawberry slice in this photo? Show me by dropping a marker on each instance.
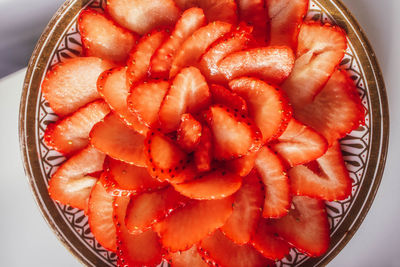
(189, 133)
(223, 96)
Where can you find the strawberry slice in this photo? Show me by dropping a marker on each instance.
(255, 14)
(142, 16)
(71, 184)
(285, 19)
(203, 154)
(272, 64)
(224, 96)
(223, 252)
(72, 84)
(102, 38)
(247, 208)
(243, 165)
(306, 226)
(148, 208)
(214, 185)
(299, 144)
(190, 224)
(189, 133)
(277, 191)
(114, 138)
(145, 100)
(113, 88)
(336, 110)
(100, 217)
(196, 45)
(266, 104)
(190, 257)
(189, 93)
(320, 49)
(326, 178)
(72, 133)
(191, 20)
(235, 135)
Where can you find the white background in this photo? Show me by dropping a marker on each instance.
(26, 239)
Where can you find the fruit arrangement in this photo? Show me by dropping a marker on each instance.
(203, 132)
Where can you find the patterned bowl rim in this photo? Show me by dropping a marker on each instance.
(53, 32)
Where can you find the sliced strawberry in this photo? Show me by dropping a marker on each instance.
(285, 18)
(114, 138)
(326, 178)
(235, 135)
(145, 100)
(223, 252)
(320, 49)
(196, 45)
(148, 208)
(189, 92)
(190, 224)
(254, 13)
(277, 191)
(272, 64)
(203, 154)
(100, 217)
(224, 96)
(243, 165)
(213, 185)
(142, 16)
(190, 257)
(71, 184)
(247, 207)
(189, 133)
(299, 144)
(102, 38)
(72, 133)
(191, 20)
(267, 105)
(72, 84)
(336, 110)
(306, 226)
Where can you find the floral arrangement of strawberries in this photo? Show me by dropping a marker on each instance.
(203, 131)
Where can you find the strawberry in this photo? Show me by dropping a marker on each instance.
(191, 20)
(71, 184)
(102, 38)
(190, 224)
(285, 19)
(243, 165)
(72, 84)
(189, 92)
(336, 110)
(203, 155)
(114, 138)
(254, 13)
(326, 178)
(247, 208)
(142, 16)
(189, 133)
(266, 104)
(190, 257)
(224, 96)
(148, 208)
(196, 45)
(222, 252)
(272, 64)
(71, 134)
(299, 144)
(100, 217)
(274, 177)
(306, 226)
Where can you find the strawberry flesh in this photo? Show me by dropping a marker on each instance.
(255, 14)
(203, 155)
(243, 165)
(223, 96)
(190, 257)
(189, 133)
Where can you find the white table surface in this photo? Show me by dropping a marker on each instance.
(26, 239)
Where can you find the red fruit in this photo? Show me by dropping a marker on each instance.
(71, 184)
(203, 154)
(72, 84)
(247, 208)
(100, 216)
(326, 178)
(277, 191)
(336, 110)
(190, 257)
(189, 93)
(102, 38)
(189, 133)
(255, 14)
(196, 45)
(72, 133)
(190, 224)
(191, 20)
(272, 64)
(306, 226)
(142, 16)
(243, 165)
(224, 96)
(114, 138)
(266, 104)
(299, 144)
